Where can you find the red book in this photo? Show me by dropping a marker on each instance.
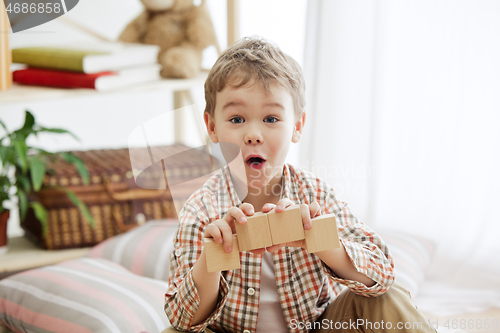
(102, 81)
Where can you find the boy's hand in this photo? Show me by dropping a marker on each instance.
(307, 211)
(223, 229)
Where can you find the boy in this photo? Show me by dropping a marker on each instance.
(255, 99)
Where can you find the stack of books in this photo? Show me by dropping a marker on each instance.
(100, 66)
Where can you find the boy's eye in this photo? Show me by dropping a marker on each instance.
(270, 119)
(236, 120)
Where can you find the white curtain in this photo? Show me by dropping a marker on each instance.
(404, 117)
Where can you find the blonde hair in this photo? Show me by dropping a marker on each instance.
(254, 58)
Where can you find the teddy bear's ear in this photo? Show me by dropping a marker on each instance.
(180, 5)
(159, 5)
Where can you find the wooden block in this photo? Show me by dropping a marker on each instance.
(218, 259)
(254, 234)
(323, 235)
(286, 226)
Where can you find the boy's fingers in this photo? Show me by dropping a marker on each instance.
(268, 207)
(213, 231)
(315, 209)
(247, 209)
(220, 231)
(227, 236)
(282, 204)
(236, 214)
(306, 216)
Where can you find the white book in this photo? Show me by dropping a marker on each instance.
(128, 77)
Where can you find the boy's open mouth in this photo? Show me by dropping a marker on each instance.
(255, 162)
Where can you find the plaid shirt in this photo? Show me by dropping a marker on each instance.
(305, 284)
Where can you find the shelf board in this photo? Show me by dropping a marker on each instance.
(22, 93)
(23, 254)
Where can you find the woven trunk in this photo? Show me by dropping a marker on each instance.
(115, 201)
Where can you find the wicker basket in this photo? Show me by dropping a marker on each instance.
(116, 203)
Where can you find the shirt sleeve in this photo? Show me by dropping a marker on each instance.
(182, 299)
(367, 251)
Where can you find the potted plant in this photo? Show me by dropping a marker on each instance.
(22, 171)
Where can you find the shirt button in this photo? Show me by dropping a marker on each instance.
(246, 331)
(250, 292)
(178, 253)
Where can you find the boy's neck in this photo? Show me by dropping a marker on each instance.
(271, 193)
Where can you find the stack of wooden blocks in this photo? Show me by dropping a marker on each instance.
(268, 229)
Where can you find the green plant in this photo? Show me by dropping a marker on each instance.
(23, 168)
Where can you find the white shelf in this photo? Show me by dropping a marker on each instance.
(23, 93)
(23, 254)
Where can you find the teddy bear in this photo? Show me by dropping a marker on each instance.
(181, 29)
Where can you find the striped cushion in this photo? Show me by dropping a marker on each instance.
(412, 257)
(82, 295)
(144, 250)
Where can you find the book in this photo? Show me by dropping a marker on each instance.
(87, 57)
(103, 81)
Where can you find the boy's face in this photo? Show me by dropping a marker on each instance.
(262, 123)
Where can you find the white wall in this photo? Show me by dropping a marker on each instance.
(437, 130)
(340, 72)
(106, 120)
(410, 90)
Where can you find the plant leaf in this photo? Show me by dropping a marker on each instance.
(42, 152)
(37, 172)
(4, 127)
(5, 185)
(23, 203)
(81, 206)
(78, 163)
(57, 130)
(41, 215)
(24, 182)
(46, 154)
(21, 150)
(29, 121)
(7, 155)
(28, 127)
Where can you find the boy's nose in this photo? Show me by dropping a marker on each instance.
(249, 141)
(253, 138)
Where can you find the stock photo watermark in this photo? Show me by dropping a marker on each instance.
(363, 324)
(358, 324)
(27, 14)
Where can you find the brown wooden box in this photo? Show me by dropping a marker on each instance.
(115, 201)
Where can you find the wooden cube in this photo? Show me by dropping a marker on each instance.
(254, 234)
(323, 235)
(218, 259)
(286, 226)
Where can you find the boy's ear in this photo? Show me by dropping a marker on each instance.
(298, 128)
(210, 124)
